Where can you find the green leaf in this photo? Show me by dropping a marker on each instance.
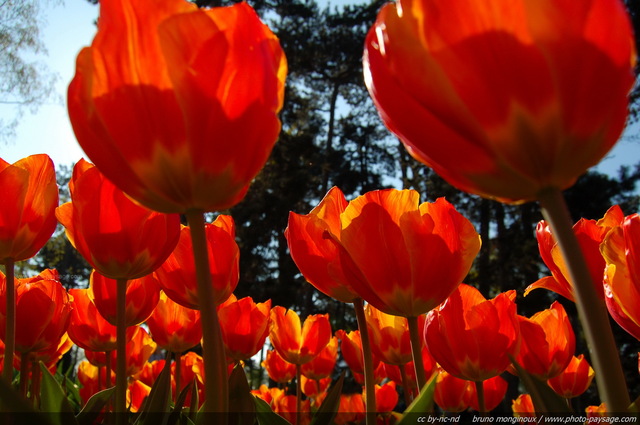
(266, 416)
(54, 400)
(421, 404)
(543, 397)
(195, 402)
(94, 406)
(327, 411)
(156, 406)
(242, 408)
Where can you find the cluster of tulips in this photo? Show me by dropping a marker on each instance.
(177, 107)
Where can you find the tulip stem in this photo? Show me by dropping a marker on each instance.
(406, 387)
(177, 375)
(216, 383)
(591, 308)
(120, 405)
(416, 351)
(480, 393)
(24, 374)
(298, 394)
(10, 326)
(369, 378)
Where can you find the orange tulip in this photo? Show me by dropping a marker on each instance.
(548, 342)
(245, 326)
(621, 250)
(137, 392)
(174, 327)
(487, 95)
(92, 379)
(139, 348)
(87, 328)
(278, 369)
(118, 237)
(177, 276)
(389, 334)
(494, 391)
(402, 257)
(170, 99)
(295, 343)
(590, 234)
(453, 394)
(29, 199)
(351, 349)
(322, 365)
(350, 410)
(473, 338)
(315, 388)
(141, 298)
(316, 256)
(522, 407)
(386, 397)
(574, 379)
(43, 311)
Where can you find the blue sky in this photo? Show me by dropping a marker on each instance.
(70, 26)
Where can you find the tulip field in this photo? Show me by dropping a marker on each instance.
(177, 110)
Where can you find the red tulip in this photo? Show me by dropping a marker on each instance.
(279, 369)
(453, 394)
(316, 256)
(141, 298)
(522, 407)
(590, 234)
(574, 379)
(245, 326)
(350, 410)
(174, 327)
(92, 379)
(351, 349)
(386, 397)
(43, 311)
(621, 250)
(139, 348)
(389, 334)
(87, 328)
(322, 365)
(295, 343)
(169, 100)
(494, 391)
(402, 257)
(473, 338)
(548, 342)
(118, 237)
(177, 276)
(454, 81)
(29, 199)
(315, 388)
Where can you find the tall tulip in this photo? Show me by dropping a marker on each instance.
(574, 379)
(121, 239)
(174, 327)
(245, 326)
(621, 250)
(200, 88)
(454, 81)
(118, 237)
(177, 275)
(590, 234)
(141, 297)
(484, 126)
(548, 342)
(473, 338)
(27, 221)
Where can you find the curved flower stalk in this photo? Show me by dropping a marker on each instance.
(454, 81)
(167, 101)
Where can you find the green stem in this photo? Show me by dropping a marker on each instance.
(177, 374)
(216, 383)
(406, 386)
(591, 308)
(10, 326)
(480, 393)
(298, 394)
(416, 351)
(120, 405)
(369, 378)
(24, 374)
